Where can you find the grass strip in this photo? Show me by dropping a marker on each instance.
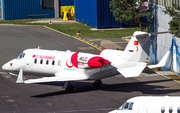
(72, 28)
(174, 77)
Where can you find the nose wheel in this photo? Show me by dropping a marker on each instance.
(97, 84)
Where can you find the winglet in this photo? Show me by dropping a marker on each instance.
(161, 63)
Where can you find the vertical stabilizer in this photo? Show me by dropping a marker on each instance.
(137, 49)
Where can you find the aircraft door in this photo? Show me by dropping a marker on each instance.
(28, 59)
(142, 109)
(28, 62)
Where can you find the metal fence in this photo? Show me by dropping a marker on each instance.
(166, 3)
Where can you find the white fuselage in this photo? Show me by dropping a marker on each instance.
(150, 104)
(50, 62)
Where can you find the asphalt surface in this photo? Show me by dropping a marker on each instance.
(51, 97)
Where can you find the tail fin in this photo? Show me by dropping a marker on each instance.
(137, 49)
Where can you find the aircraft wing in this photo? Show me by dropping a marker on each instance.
(40, 80)
(59, 76)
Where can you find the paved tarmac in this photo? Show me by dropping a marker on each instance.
(51, 97)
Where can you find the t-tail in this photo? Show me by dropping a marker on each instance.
(137, 49)
(136, 55)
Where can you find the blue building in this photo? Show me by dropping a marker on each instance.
(26, 9)
(95, 13)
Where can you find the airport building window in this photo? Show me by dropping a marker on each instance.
(162, 110)
(41, 61)
(178, 110)
(170, 110)
(48, 4)
(47, 62)
(35, 61)
(53, 62)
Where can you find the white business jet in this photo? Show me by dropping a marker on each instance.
(150, 104)
(75, 66)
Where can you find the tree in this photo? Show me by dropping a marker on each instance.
(128, 11)
(174, 24)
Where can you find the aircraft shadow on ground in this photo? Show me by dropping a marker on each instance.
(143, 87)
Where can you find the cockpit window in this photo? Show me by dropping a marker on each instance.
(131, 105)
(21, 56)
(120, 108)
(178, 110)
(126, 106)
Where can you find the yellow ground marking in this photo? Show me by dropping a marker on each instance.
(95, 39)
(78, 38)
(112, 42)
(57, 31)
(89, 43)
(85, 48)
(127, 40)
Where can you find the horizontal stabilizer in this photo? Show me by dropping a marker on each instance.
(133, 71)
(161, 63)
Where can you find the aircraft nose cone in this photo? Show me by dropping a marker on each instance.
(7, 66)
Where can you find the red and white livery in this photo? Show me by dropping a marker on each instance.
(72, 66)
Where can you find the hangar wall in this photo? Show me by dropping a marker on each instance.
(95, 13)
(161, 43)
(19, 9)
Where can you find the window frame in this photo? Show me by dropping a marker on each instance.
(47, 7)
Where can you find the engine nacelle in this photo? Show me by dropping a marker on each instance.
(110, 53)
(87, 61)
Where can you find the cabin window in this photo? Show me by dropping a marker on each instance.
(162, 110)
(41, 61)
(35, 61)
(47, 62)
(170, 110)
(59, 63)
(178, 110)
(53, 62)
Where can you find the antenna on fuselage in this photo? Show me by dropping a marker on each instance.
(39, 47)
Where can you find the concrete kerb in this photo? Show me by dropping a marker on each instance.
(163, 73)
(54, 20)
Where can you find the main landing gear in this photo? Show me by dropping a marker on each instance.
(97, 83)
(69, 87)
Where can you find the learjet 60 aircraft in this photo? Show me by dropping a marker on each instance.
(75, 66)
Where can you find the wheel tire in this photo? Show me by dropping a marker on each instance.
(70, 88)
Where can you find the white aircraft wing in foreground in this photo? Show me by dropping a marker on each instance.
(73, 66)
